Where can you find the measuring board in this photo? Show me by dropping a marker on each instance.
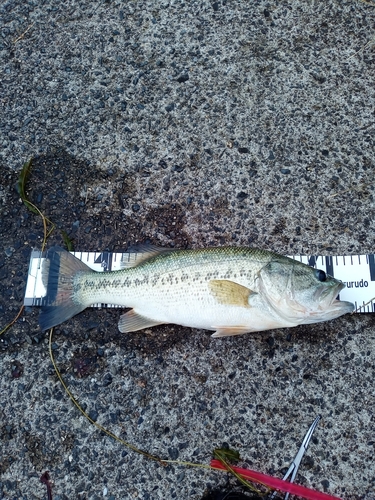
(356, 271)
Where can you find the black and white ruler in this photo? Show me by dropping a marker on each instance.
(356, 271)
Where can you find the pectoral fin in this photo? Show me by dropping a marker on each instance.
(229, 293)
(132, 322)
(228, 331)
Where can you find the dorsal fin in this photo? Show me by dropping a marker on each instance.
(140, 253)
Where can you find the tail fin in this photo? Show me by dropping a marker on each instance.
(58, 273)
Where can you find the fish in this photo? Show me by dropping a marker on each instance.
(228, 290)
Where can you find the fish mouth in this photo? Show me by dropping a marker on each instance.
(327, 298)
(328, 295)
(327, 305)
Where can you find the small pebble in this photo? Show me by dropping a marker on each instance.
(183, 78)
(93, 414)
(180, 477)
(9, 251)
(242, 195)
(325, 484)
(173, 453)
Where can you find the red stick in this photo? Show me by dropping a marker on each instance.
(275, 483)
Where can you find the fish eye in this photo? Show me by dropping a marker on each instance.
(320, 275)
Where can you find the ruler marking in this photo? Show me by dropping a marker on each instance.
(312, 261)
(359, 275)
(329, 265)
(371, 262)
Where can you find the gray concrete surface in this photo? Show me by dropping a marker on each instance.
(185, 124)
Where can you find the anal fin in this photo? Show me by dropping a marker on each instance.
(132, 322)
(228, 331)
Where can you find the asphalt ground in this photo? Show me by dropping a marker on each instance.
(185, 124)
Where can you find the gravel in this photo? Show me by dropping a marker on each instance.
(185, 124)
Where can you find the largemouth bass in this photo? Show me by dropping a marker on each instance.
(231, 290)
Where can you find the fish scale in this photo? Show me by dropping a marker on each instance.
(165, 278)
